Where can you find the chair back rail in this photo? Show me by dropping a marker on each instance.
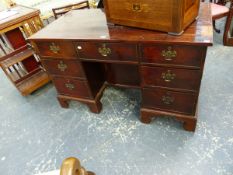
(64, 9)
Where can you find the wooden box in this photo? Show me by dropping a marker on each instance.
(171, 16)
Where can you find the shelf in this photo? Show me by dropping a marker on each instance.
(19, 61)
(17, 58)
(16, 75)
(33, 82)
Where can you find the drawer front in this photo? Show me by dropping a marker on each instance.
(171, 77)
(169, 100)
(107, 51)
(56, 49)
(72, 68)
(177, 55)
(72, 87)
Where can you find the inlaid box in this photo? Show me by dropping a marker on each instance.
(171, 16)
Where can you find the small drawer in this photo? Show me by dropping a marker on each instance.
(163, 99)
(107, 51)
(72, 87)
(56, 49)
(72, 68)
(171, 77)
(173, 54)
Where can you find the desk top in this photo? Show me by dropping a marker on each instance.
(23, 13)
(91, 24)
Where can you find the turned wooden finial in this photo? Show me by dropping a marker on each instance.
(9, 3)
(72, 166)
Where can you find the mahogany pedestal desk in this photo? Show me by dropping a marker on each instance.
(83, 54)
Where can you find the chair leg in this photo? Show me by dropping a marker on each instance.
(225, 34)
(216, 30)
(228, 31)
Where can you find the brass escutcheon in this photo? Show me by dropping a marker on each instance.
(55, 49)
(104, 51)
(168, 76)
(69, 86)
(136, 7)
(168, 99)
(169, 54)
(61, 66)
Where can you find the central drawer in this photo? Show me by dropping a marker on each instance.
(72, 68)
(158, 98)
(188, 79)
(107, 51)
(72, 87)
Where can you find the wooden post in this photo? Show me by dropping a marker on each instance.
(72, 166)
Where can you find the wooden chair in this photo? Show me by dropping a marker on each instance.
(72, 166)
(228, 33)
(64, 9)
(219, 10)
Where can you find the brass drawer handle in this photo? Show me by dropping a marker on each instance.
(62, 66)
(104, 51)
(169, 54)
(168, 99)
(54, 48)
(136, 7)
(168, 76)
(69, 86)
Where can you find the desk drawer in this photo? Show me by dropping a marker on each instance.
(169, 100)
(72, 68)
(56, 49)
(107, 51)
(177, 55)
(171, 77)
(72, 87)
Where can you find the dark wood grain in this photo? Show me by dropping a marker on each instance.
(92, 26)
(185, 55)
(72, 87)
(65, 49)
(70, 68)
(176, 101)
(187, 79)
(117, 51)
